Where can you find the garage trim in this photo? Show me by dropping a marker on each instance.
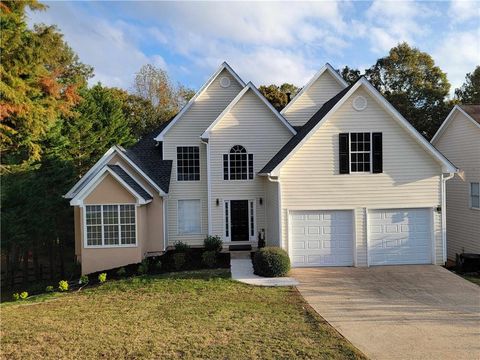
(316, 208)
(432, 227)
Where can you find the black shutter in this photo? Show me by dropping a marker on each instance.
(377, 153)
(343, 153)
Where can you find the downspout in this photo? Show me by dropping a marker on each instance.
(165, 240)
(279, 195)
(209, 187)
(444, 214)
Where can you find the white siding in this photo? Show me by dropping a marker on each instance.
(460, 143)
(308, 103)
(272, 213)
(411, 178)
(252, 124)
(186, 132)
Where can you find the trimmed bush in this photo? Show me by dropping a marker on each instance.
(181, 247)
(157, 265)
(49, 288)
(121, 272)
(143, 268)
(213, 243)
(271, 262)
(23, 295)
(209, 258)
(83, 280)
(63, 285)
(15, 296)
(102, 277)
(179, 260)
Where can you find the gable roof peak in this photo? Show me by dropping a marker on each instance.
(471, 112)
(330, 107)
(325, 68)
(249, 86)
(223, 66)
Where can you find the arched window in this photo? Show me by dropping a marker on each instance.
(238, 164)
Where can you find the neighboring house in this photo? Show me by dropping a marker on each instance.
(459, 139)
(339, 178)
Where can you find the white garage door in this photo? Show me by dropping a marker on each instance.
(321, 238)
(400, 236)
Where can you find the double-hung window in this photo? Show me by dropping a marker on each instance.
(189, 217)
(110, 225)
(188, 163)
(475, 195)
(360, 152)
(238, 164)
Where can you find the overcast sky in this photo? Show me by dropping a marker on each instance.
(265, 42)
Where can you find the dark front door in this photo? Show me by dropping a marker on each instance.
(239, 218)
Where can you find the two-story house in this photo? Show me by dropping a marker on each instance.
(338, 178)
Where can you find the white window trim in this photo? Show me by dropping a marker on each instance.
(199, 163)
(201, 219)
(470, 194)
(350, 153)
(250, 202)
(120, 245)
(248, 168)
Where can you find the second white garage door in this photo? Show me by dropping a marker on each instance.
(400, 236)
(321, 238)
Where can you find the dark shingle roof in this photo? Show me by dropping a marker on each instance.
(473, 111)
(147, 155)
(130, 181)
(303, 131)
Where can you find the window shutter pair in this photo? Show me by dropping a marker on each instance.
(344, 153)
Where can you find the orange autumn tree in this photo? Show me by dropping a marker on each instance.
(39, 79)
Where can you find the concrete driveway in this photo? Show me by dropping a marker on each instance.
(398, 312)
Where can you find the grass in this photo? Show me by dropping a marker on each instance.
(201, 314)
(472, 278)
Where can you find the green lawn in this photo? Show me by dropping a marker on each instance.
(187, 315)
(472, 278)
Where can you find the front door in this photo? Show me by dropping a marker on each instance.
(239, 220)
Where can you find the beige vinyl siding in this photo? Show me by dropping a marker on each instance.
(411, 178)
(272, 235)
(460, 143)
(252, 124)
(322, 90)
(186, 132)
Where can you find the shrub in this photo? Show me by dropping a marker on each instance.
(179, 260)
(271, 262)
(83, 280)
(209, 258)
(143, 267)
(15, 296)
(63, 285)
(212, 243)
(121, 272)
(181, 247)
(102, 277)
(158, 265)
(49, 288)
(23, 295)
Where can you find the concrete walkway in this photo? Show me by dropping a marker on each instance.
(242, 270)
(398, 312)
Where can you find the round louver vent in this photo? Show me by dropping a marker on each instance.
(224, 82)
(359, 103)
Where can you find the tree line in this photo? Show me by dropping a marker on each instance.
(54, 126)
